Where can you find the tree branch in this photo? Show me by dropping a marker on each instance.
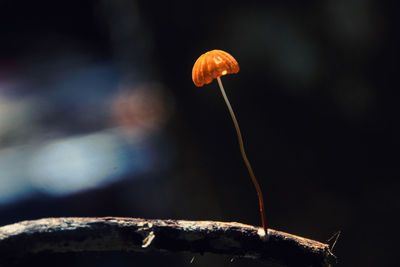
(53, 235)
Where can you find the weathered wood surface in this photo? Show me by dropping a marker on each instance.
(57, 235)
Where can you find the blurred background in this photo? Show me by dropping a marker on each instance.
(99, 117)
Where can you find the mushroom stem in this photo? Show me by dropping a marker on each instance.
(246, 161)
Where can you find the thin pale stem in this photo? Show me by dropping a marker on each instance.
(246, 161)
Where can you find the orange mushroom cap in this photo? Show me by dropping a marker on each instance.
(213, 64)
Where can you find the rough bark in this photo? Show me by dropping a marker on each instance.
(57, 235)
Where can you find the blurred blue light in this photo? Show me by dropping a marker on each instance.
(13, 184)
(71, 165)
(75, 164)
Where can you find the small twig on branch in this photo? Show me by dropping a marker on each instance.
(54, 235)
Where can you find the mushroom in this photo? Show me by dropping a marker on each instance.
(212, 65)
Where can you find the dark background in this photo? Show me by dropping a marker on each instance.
(99, 117)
